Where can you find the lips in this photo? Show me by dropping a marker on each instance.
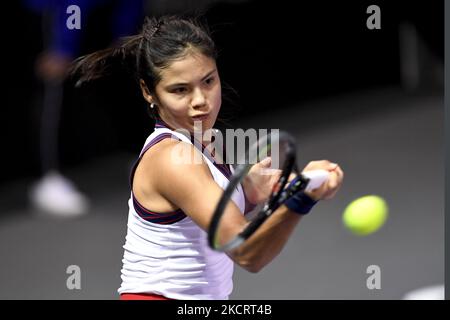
(201, 117)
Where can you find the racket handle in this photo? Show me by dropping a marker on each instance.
(316, 178)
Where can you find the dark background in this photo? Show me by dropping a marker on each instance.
(271, 54)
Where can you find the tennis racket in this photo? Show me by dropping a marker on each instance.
(264, 170)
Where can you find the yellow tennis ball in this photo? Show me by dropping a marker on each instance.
(365, 215)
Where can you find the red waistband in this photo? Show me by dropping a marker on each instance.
(142, 296)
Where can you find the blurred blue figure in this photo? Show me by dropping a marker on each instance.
(54, 193)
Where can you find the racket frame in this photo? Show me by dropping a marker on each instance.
(278, 196)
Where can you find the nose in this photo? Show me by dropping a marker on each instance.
(198, 99)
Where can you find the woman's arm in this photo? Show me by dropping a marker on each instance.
(190, 186)
(268, 241)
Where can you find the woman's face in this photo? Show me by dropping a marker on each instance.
(189, 91)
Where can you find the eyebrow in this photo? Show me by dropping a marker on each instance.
(185, 83)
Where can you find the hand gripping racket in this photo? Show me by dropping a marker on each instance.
(267, 185)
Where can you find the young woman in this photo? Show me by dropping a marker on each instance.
(166, 255)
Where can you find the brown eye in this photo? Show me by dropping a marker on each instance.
(210, 80)
(179, 90)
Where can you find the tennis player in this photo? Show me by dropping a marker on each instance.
(166, 254)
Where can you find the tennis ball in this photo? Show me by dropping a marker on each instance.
(365, 215)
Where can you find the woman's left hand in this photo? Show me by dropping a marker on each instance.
(335, 178)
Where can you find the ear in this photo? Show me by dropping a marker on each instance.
(145, 92)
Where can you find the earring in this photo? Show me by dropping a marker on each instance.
(152, 105)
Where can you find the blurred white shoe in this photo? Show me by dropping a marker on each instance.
(436, 292)
(56, 195)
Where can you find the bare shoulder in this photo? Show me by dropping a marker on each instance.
(170, 168)
(178, 173)
(151, 168)
(170, 158)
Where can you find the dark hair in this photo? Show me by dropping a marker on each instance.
(161, 41)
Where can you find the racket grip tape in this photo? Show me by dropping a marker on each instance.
(316, 178)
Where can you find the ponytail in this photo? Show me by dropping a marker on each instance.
(99, 64)
(161, 41)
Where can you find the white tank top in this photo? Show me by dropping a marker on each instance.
(174, 259)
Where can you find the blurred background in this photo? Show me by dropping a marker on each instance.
(370, 100)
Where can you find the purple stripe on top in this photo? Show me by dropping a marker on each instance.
(144, 213)
(177, 215)
(164, 218)
(161, 124)
(156, 140)
(148, 146)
